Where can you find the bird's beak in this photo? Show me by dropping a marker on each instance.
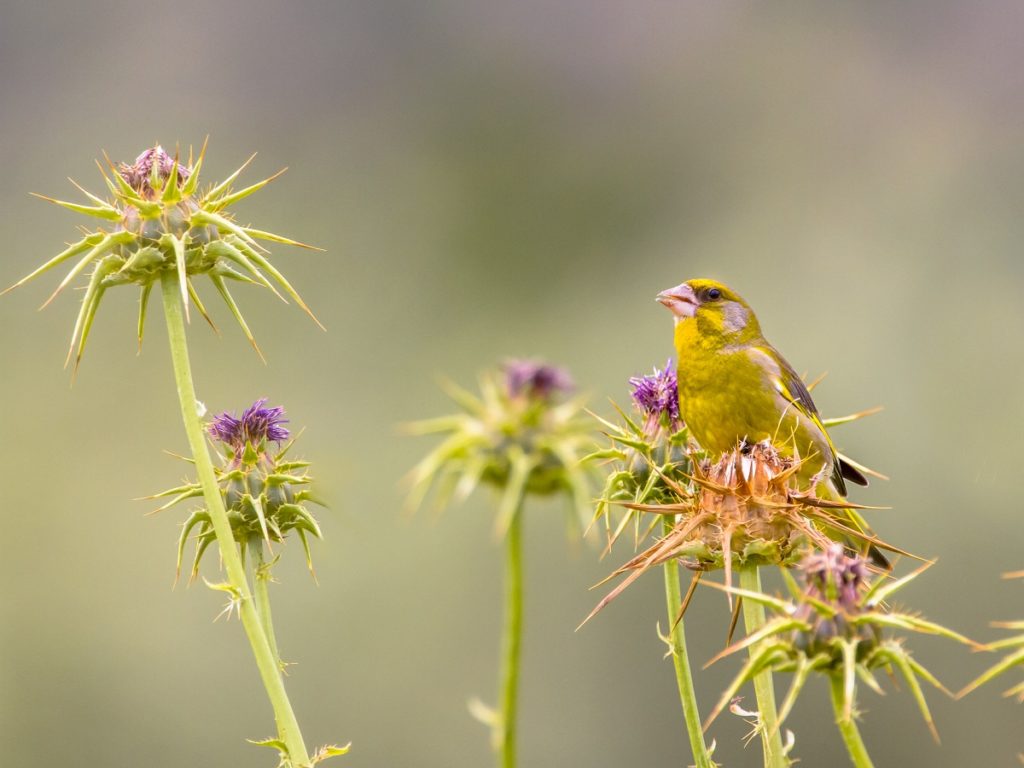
(681, 301)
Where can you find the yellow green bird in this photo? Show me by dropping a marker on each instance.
(734, 385)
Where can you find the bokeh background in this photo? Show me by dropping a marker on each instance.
(494, 179)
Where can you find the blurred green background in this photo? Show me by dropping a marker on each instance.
(494, 179)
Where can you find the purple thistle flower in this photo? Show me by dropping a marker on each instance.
(256, 425)
(536, 380)
(657, 397)
(834, 576)
(137, 173)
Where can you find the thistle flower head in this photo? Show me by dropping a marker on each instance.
(744, 509)
(150, 171)
(837, 624)
(265, 492)
(657, 397)
(647, 461)
(518, 435)
(257, 425)
(834, 575)
(536, 380)
(159, 224)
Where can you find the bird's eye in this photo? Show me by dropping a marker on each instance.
(714, 293)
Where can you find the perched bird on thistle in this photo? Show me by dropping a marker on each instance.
(734, 386)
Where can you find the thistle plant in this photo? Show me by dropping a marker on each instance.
(163, 230)
(649, 466)
(745, 511)
(522, 436)
(836, 624)
(264, 490)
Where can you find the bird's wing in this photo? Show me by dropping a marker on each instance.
(792, 388)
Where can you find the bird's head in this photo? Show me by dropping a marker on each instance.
(717, 310)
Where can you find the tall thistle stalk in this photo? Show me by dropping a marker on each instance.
(764, 686)
(163, 230)
(523, 437)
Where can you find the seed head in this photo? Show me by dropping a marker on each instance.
(744, 509)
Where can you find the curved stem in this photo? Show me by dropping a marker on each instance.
(511, 640)
(764, 688)
(848, 728)
(684, 677)
(287, 725)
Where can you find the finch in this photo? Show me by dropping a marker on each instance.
(734, 386)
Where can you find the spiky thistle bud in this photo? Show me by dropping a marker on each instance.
(647, 461)
(521, 434)
(836, 623)
(264, 491)
(834, 578)
(159, 222)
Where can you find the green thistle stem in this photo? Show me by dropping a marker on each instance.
(288, 726)
(848, 728)
(764, 687)
(684, 677)
(260, 582)
(511, 643)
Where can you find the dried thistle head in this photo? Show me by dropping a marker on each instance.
(745, 509)
(265, 492)
(158, 222)
(522, 435)
(837, 624)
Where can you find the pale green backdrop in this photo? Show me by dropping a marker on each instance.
(494, 179)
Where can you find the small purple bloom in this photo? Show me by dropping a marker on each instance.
(834, 576)
(536, 380)
(256, 425)
(657, 396)
(137, 173)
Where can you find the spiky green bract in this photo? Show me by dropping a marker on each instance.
(265, 494)
(836, 624)
(646, 463)
(518, 440)
(1013, 659)
(158, 222)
